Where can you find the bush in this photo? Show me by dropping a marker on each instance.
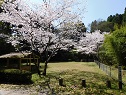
(15, 76)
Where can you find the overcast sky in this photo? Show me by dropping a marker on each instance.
(99, 9)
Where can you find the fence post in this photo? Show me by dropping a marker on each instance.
(120, 76)
(108, 83)
(83, 83)
(110, 71)
(61, 82)
(99, 64)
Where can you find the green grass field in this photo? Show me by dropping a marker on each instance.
(73, 73)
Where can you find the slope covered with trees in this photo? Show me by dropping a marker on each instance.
(112, 23)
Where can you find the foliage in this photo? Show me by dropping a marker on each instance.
(5, 47)
(106, 53)
(15, 76)
(115, 19)
(72, 56)
(118, 19)
(103, 26)
(124, 17)
(63, 56)
(5, 28)
(94, 25)
(113, 49)
(5, 33)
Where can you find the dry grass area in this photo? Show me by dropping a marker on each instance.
(78, 66)
(73, 73)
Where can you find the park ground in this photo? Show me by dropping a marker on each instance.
(72, 74)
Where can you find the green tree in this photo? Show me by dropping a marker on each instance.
(5, 28)
(94, 25)
(101, 25)
(105, 26)
(124, 17)
(113, 50)
(110, 18)
(5, 47)
(106, 52)
(117, 19)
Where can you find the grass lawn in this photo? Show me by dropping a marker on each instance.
(73, 73)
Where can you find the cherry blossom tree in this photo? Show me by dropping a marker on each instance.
(41, 29)
(89, 43)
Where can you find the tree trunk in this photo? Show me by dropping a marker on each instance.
(47, 60)
(46, 63)
(38, 70)
(37, 65)
(45, 69)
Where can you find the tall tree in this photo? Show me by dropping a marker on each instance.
(110, 18)
(94, 25)
(113, 50)
(124, 17)
(105, 26)
(101, 25)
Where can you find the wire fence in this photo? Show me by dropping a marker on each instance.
(111, 71)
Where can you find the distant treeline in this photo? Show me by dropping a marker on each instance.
(113, 22)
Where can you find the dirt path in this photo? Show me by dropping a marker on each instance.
(20, 90)
(17, 92)
(12, 92)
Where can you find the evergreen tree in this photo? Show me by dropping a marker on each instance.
(94, 25)
(124, 17)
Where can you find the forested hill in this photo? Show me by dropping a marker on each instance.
(112, 23)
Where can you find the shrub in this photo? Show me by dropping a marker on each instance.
(15, 76)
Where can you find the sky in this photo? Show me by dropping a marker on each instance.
(98, 9)
(101, 9)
